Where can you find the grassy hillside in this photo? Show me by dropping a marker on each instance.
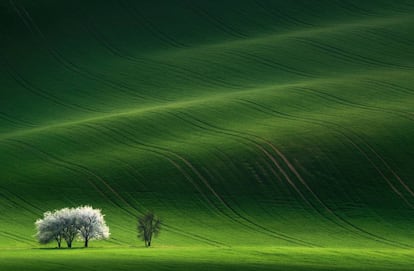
(265, 124)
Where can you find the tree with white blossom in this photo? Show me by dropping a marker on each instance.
(67, 219)
(49, 228)
(91, 224)
(69, 223)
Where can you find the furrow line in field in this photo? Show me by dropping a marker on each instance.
(353, 57)
(373, 35)
(186, 74)
(190, 179)
(15, 121)
(298, 176)
(268, 63)
(385, 240)
(389, 86)
(183, 73)
(255, 226)
(142, 20)
(405, 185)
(334, 53)
(369, 38)
(343, 221)
(218, 197)
(136, 176)
(244, 13)
(274, 13)
(270, 177)
(203, 128)
(71, 66)
(90, 27)
(353, 9)
(294, 240)
(137, 62)
(236, 72)
(17, 238)
(67, 165)
(228, 161)
(278, 234)
(166, 155)
(190, 74)
(115, 240)
(293, 169)
(308, 202)
(213, 129)
(390, 184)
(11, 196)
(339, 221)
(214, 20)
(75, 168)
(194, 236)
(293, 87)
(387, 35)
(15, 203)
(156, 151)
(338, 128)
(22, 17)
(376, 237)
(346, 102)
(40, 92)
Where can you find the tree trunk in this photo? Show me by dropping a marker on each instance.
(86, 242)
(149, 243)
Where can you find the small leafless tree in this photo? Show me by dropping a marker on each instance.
(149, 225)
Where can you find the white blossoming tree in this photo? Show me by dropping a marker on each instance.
(49, 228)
(68, 223)
(67, 218)
(91, 224)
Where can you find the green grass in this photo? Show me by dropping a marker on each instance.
(275, 134)
(201, 258)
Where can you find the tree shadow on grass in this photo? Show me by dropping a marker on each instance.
(57, 249)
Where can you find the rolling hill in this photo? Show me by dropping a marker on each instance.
(241, 123)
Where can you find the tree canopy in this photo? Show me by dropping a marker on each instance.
(149, 225)
(68, 223)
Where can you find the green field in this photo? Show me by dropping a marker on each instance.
(266, 134)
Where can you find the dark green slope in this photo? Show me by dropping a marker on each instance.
(244, 122)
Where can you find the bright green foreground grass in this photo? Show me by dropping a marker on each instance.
(199, 258)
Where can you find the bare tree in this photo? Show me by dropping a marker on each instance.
(149, 225)
(91, 224)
